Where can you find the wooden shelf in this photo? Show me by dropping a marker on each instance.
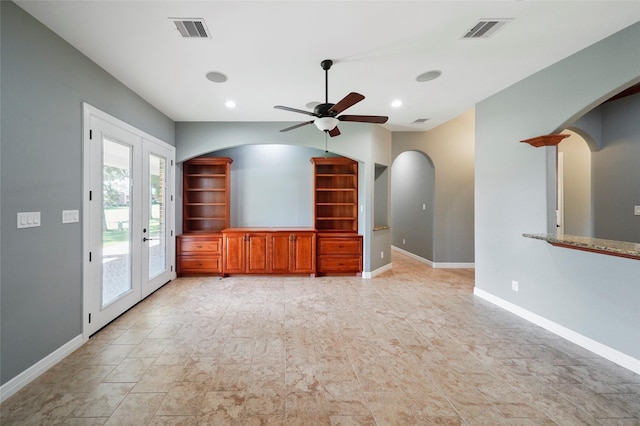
(205, 195)
(335, 194)
(545, 140)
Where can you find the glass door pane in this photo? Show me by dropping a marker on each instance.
(156, 231)
(116, 226)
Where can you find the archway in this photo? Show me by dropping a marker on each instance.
(412, 204)
(574, 186)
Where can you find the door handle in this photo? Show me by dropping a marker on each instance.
(145, 239)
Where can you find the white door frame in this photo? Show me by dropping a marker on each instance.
(89, 112)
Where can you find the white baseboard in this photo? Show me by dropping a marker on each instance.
(597, 348)
(437, 265)
(454, 265)
(413, 256)
(33, 372)
(381, 270)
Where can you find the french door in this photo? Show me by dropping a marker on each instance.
(128, 217)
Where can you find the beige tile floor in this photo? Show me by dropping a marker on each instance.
(410, 347)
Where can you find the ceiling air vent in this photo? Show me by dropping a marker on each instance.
(485, 28)
(191, 28)
(420, 120)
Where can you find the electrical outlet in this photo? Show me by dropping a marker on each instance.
(636, 210)
(514, 285)
(404, 241)
(381, 255)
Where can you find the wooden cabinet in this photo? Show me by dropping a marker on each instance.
(339, 247)
(245, 252)
(339, 253)
(268, 251)
(293, 252)
(205, 194)
(303, 253)
(199, 254)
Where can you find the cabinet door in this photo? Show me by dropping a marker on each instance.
(304, 253)
(234, 253)
(280, 252)
(257, 254)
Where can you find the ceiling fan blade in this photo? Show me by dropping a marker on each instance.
(286, 108)
(348, 101)
(296, 126)
(334, 132)
(378, 119)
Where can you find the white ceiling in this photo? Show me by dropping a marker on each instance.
(271, 51)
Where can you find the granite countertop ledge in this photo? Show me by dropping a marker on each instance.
(596, 245)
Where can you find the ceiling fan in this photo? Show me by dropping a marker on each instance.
(326, 114)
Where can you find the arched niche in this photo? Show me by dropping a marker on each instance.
(271, 184)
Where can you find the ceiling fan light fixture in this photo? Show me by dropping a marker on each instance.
(326, 123)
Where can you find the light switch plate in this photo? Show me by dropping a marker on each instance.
(28, 219)
(70, 216)
(636, 210)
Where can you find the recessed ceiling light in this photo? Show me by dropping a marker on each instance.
(230, 104)
(216, 77)
(428, 76)
(397, 103)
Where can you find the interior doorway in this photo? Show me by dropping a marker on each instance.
(413, 204)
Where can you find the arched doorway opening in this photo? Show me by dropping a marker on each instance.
(412, 204)
(574, 186)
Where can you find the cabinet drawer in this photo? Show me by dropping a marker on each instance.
(201, 245)
(339, 246)
(199, 264)
(339, 263)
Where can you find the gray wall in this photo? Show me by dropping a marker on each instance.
(43, 84)
(616, 172)
(594, 295)
(451, 149)
(271, 185)
(412, 185)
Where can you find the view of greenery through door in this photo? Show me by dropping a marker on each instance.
(116, 205)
